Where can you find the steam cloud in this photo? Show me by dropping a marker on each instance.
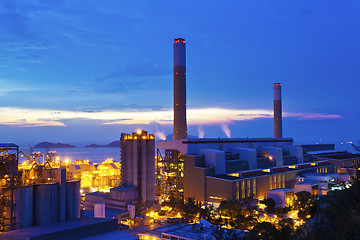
(160, 135)
(201, 132)
(226, 129)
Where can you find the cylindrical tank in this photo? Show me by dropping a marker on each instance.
(46, 203)
(72, 200)
(99, 210)
(23, 210)
(277, 111)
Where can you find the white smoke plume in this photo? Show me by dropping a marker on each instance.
(159, 131)
(201, 132)
(226, 129)
(160, 135)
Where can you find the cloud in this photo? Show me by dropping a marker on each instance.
(320, 117)
(6, 87)
(32, 58)
(138, 70)
(201, 116)
(128, 77)
(36, 44)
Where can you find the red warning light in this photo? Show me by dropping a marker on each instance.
(179, 40)
(277, 84)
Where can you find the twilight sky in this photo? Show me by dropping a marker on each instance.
(84, 71)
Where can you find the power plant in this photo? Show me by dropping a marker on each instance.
(215, 169)
(207, 170)
(180, 126)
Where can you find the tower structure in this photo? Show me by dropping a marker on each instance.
(180, 127)
(277, 111)
(138, 164)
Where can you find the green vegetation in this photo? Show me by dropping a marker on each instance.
(270, 204)
(337, 215)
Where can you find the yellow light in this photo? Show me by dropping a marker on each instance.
(135, 137)
(143, 137)
(270, 157)
(139, 131)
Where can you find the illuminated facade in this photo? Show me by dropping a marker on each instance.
(35, 194)
(169, 173)
(93, 177)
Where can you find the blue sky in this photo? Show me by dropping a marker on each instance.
(85, 71)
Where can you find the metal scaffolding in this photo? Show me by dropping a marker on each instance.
(9, 179)
(169, 174)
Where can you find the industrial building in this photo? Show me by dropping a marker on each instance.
(238, 168)
(137, 175)
(93, 176)
(45, 197)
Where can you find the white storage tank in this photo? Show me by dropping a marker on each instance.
(99, 210)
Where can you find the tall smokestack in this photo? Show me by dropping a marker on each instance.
(180, 127)
(277, 111)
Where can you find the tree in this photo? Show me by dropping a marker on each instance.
(303, 198)
(287, 228)
(264, 231)
(190, 209)
(270, 204)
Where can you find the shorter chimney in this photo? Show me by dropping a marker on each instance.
(277, 111)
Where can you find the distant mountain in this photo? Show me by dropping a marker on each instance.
(112, 144)
(53, 145)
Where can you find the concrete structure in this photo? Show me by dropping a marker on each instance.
(99, 210)
(138, 164)
(180, 126)
(118, 198)
(237, 168)
(283, 196)
(182, 231)
(277, 111)
(71, 229)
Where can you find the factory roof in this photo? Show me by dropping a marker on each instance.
(109, 213)
(282, 190)
(111, 235)
(124, 188)
(71, 229)
(234, 140)
(99, 194)
(326, 152)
